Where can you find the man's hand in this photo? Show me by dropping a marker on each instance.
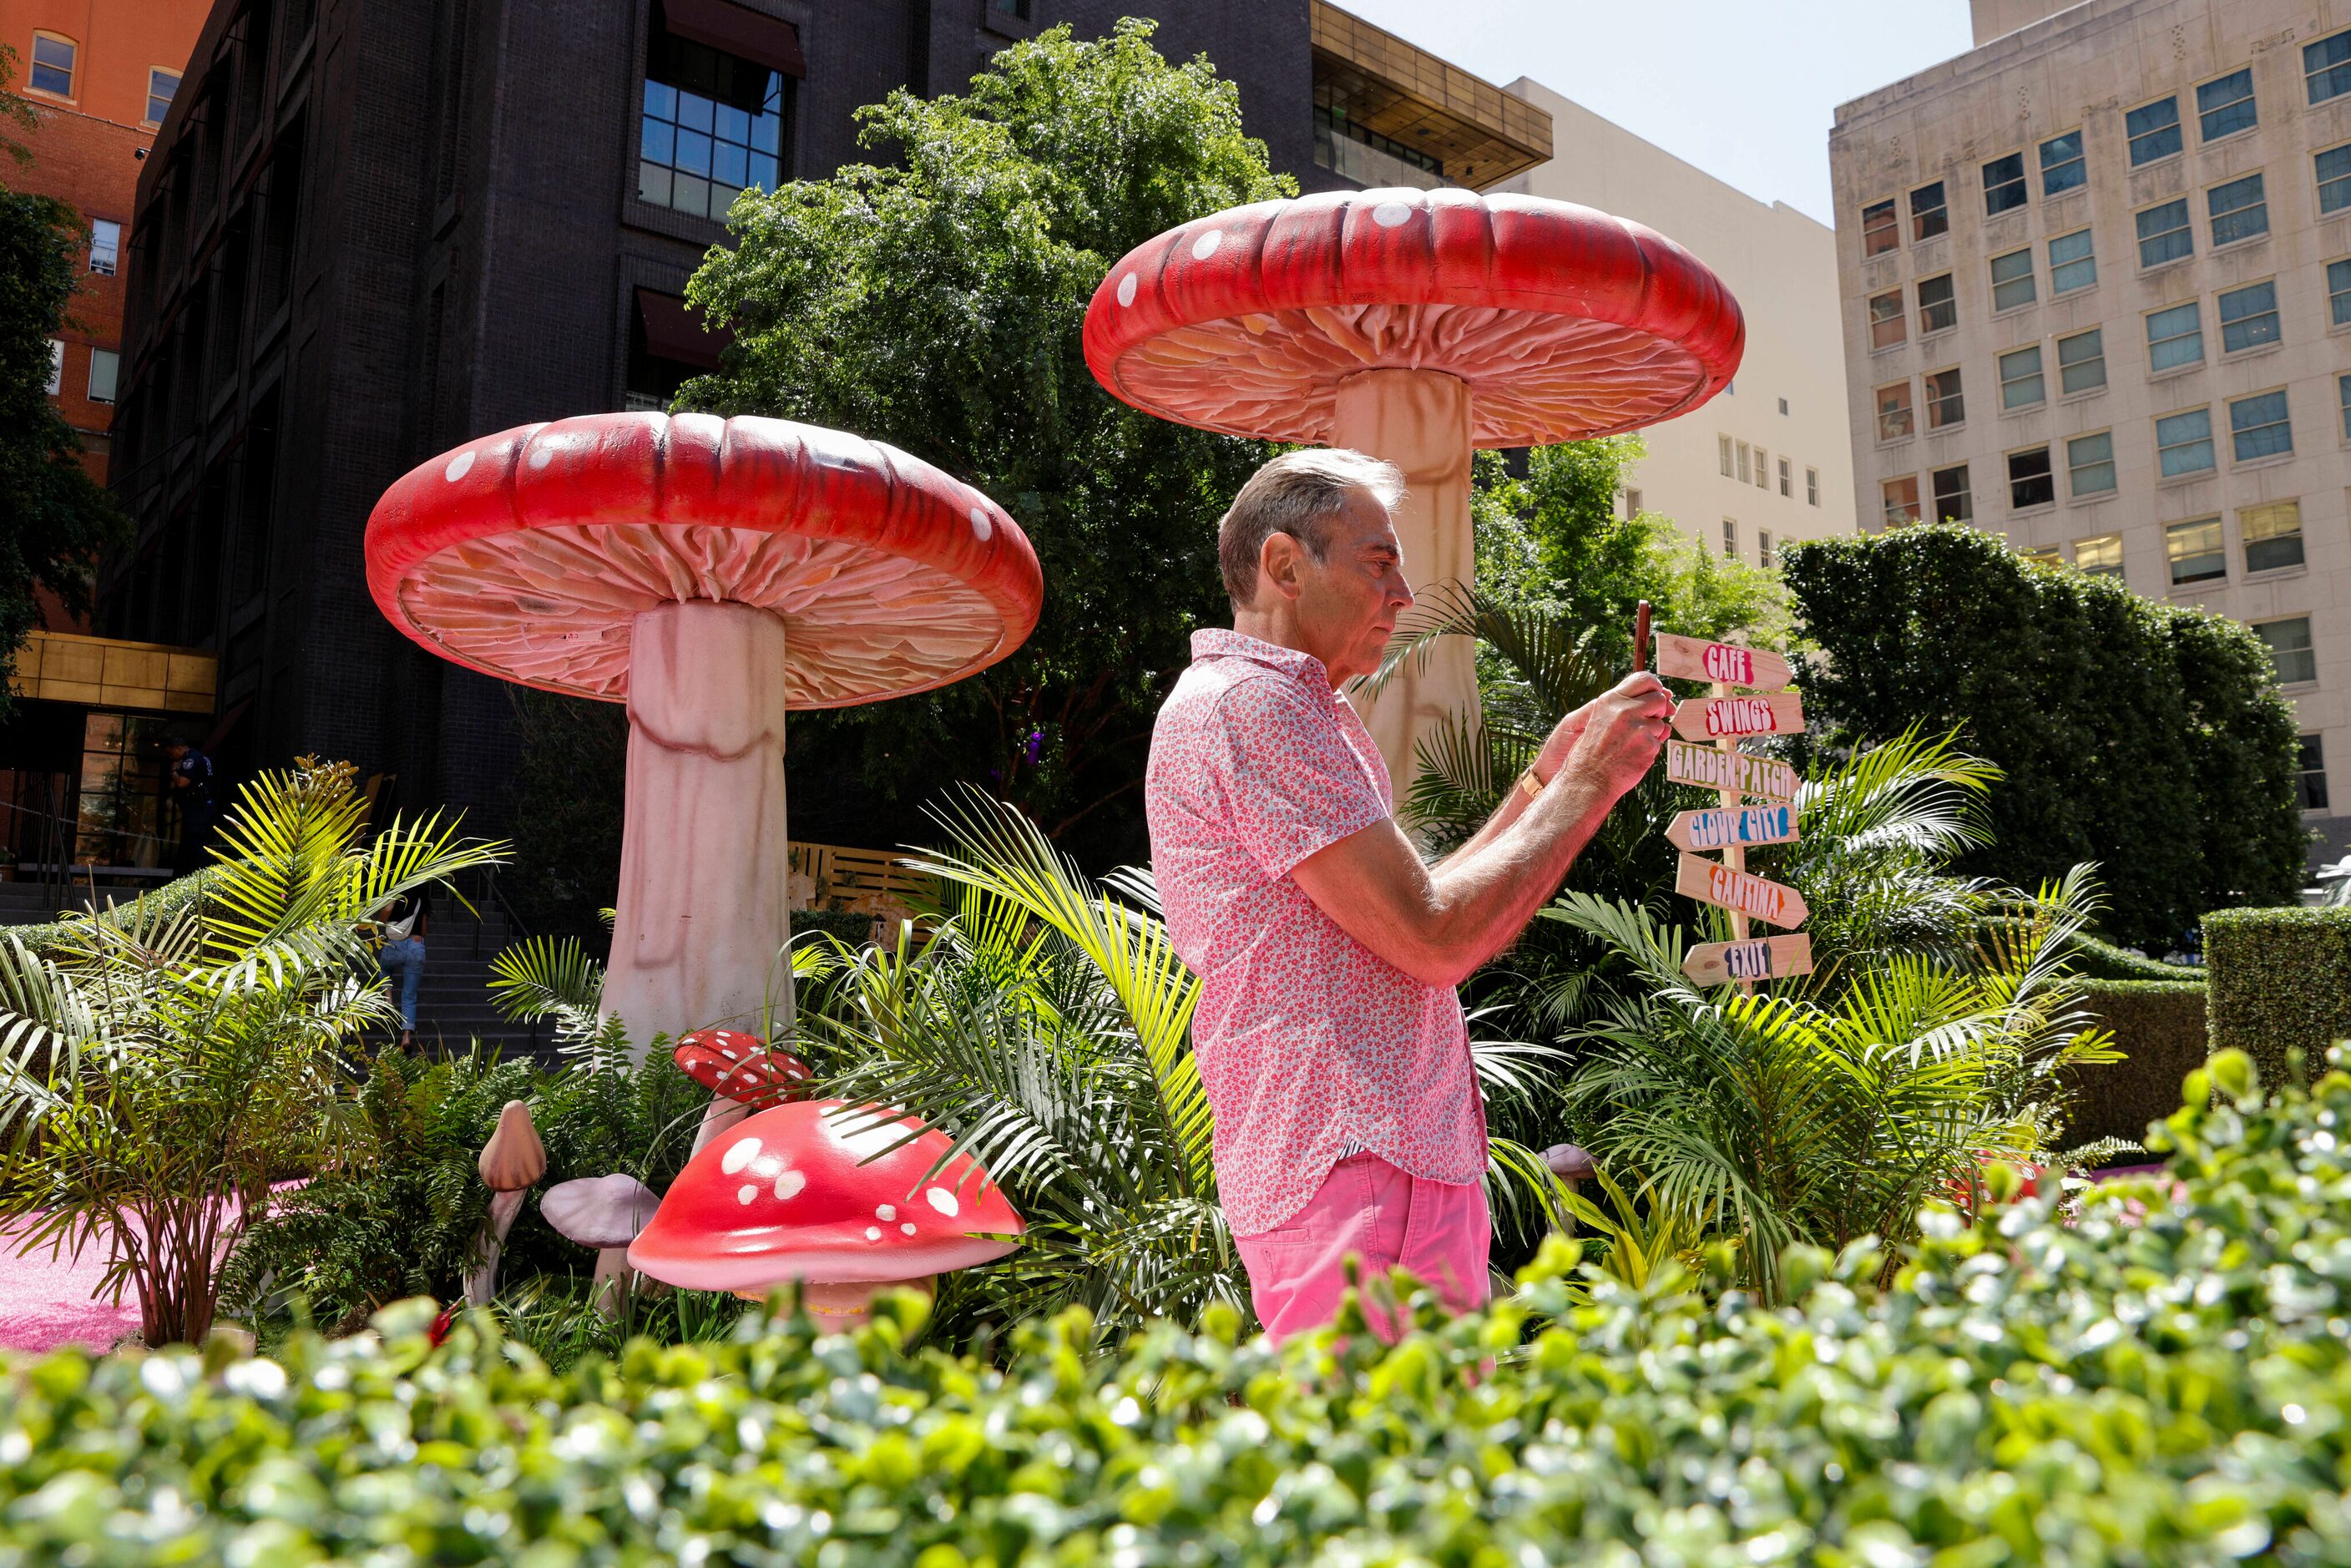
(1622, 731)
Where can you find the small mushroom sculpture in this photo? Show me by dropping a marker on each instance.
(805, 1191)
(712, 574)
(1414, 326)
(604, 1212)
(510, 1162)
(742, 1074)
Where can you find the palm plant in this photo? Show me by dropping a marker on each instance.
(160, 1067)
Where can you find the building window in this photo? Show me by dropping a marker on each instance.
(1954, 502)
(2163, 234)
(2259, 426)
(1901, 500)
(2020, 381)
(1881, 231)
(105, 367)
(1632, 503)
(105, 247)
(2072, 263)
(2326, 67)
(2290, 649)
(2271, 535)
(2082, 361)
(52, 65)
(162, 85)
(2334, 167)
(2338, 293)
(1763, 549)
(2343, 396)
(2090, 465)
(2099, 557)
(2239, 210)
(2225, 107)
(2011, 280)
(2194, 550)
(1746, 464)
(2061, 164)
(2003, 179)
(2154, 131)
(1938, 308)
(1888, 325)
(1813, 476)
(1783, 407)
(1944, 404)
(1929, 216)
(2175, 337)
(1722, 446)
(1730, 536)
(2183, 443)
(2249, 316)
(1762, 470)
(2030, 482)
(1787, 478)
(713, 126)
(2313, 777)
(56, 368)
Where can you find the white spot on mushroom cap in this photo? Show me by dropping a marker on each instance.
(908, 1228)
(1205, 245)
(746, 1193)
(873, 1233)
(739, 1155)
(459, 466)
(789, 1184)
(1126, 290)
(1388, 214)
(943, 1201)
(887, 1211)
(980, 525)
(541, 455)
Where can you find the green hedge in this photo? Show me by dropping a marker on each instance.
(2164, 1379)
(2159, 1025)
(2280, 979)
(173, 897)
(2103, 961)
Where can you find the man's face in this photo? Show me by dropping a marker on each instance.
(1348, 602)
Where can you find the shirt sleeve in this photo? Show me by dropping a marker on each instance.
(1291, 784)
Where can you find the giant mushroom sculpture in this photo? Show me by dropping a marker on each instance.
(711, 574)
(1414, 326)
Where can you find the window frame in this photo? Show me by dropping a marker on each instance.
(112, 252)
(2343, 397)
(683, 113)
(114, 377)
(2212, 214)
(179, 79)
(1723, 448)
(2073, 470)
(1929, 402)
(2102, 569)
(2205, 134)
(1940, 214)
(1787, 476)
(2147, 322)
(1890, 209)
(2037, 376)
(2219, 310)
(1763, 549)
(2030, 278)
(2023, 191)
(2237, 433)
(2131, 139)
(1812, 486)
(2098, 358)
(2310, 762)
(1885, 500)
(2246, 521)
(1964, 491)
(2078, 163)
(2338, 294)
(34, 66)
(1731, 538)
(2088, 258)
(1918, 293)
(2211, 448)
(2309, 649)
(2187, 231)
(2048, 476)
(2333, 69)
(2340, 183)
(2173, 558)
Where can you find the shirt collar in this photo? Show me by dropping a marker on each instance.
(1222, 642)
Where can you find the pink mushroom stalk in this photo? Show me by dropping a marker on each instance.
(712, 575)
(606, 1213)
(510, 1162)
(1414, 326)
(805, 1191)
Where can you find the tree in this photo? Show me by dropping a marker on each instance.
(2148, 738)
(54, 518)
(937, 303)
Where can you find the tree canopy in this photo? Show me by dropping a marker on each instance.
(2150, 738)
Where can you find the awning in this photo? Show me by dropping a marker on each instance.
(673, 331)
(736, 29)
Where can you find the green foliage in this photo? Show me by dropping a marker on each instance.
(2096, 960)
(2159, 1027)
(2279, 980)
(177, 896)
(159, 1068)
(2150, 739)
(935, 301)
(2162, 1379)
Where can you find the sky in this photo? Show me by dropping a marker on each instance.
(1745, 91)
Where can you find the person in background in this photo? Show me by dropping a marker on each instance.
(190, 788)
(402, 957)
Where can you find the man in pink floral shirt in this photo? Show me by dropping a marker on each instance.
(1329, 1033)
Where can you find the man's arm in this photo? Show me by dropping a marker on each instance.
(1439, 925)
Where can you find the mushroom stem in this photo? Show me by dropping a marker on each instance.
(614, 1280)
(704, 870)
(482, 1279)
(837, 1308)
(1419, 421)
(716, 1117)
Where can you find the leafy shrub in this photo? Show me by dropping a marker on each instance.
(176, 896)
(2280, 980)
(2096, 960)
(2164, 1380)
(2159, 1028)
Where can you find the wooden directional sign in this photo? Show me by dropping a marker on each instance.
(1710, 718)
(1702, 831)
(1710, 769)
(1764, 958)
(1736, 890)
(1696, 659)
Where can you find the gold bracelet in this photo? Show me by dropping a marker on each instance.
(1532, 785)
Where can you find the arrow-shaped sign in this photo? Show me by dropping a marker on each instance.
(1764, 958)
(1736, 890)
(1711, 769)
(1702, 831)
(1696, 659)
(1712, 718)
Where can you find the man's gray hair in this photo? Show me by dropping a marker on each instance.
(1297, 494)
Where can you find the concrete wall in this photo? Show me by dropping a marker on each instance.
(1782, 265)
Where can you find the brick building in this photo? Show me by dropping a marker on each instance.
(370, 231)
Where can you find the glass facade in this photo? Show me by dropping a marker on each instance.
(713, 127)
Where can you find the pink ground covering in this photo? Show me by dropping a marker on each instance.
(45, 1301)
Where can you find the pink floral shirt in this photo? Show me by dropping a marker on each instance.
(1309, 1043)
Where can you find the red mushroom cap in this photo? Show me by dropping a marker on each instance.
(1566, 323)
(783, 1196)
(527, 555)
(740, 1066)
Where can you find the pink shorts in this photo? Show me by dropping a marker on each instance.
(1367, 1209)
